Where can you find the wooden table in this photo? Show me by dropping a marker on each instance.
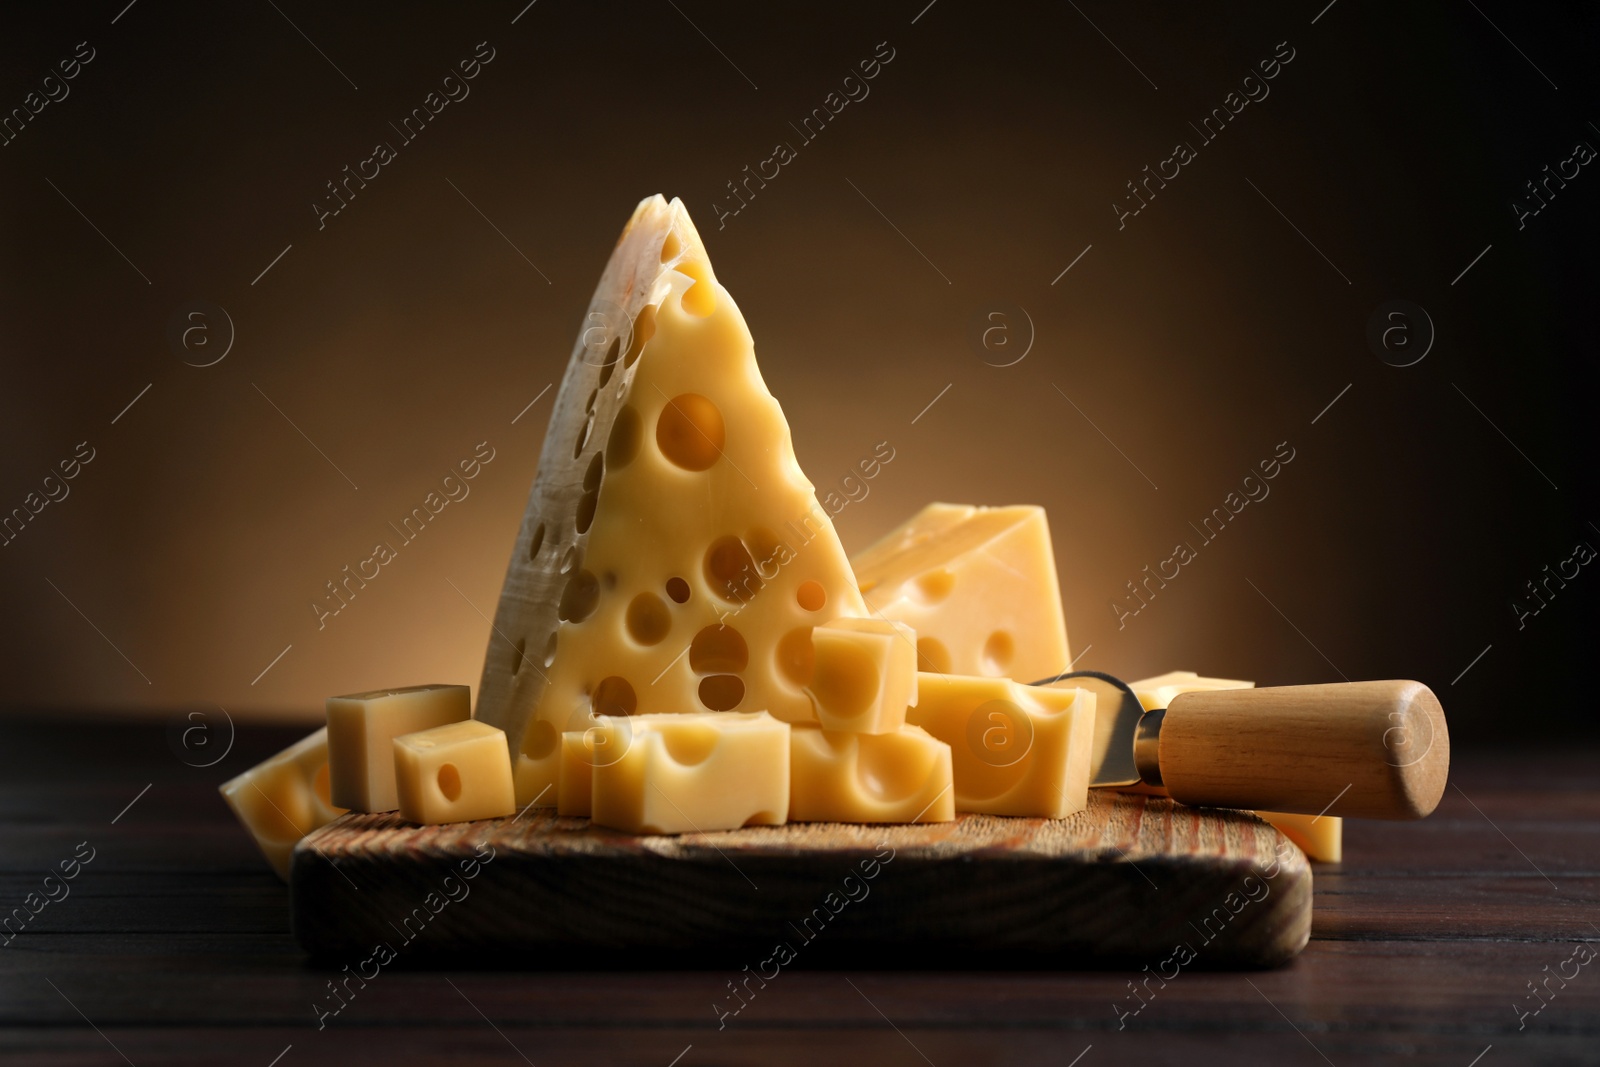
(172, 947)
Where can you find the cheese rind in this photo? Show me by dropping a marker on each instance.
(283, 798)
(361, 732)
(685, 773)
(979, 587)
(864, 674)
(899, 777)
(673, 556)
(1015, 749)
(458, 772)
(1320, 838)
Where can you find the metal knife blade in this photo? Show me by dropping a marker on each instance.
(1116, 721)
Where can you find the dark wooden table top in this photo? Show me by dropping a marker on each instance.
(171, 946)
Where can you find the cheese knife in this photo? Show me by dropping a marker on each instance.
(1374, 750)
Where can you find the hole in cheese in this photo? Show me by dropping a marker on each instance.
(588, 405)
(591, 492)
(608, 367)
(550, 649)
(932, 655)
(626, 433)
(934, 586)
(721, 692)
(811, 596)
(888, 774)
(569, 559)
(280, 809)
(517, 657)
(583, 437)
(690, 432)
(846, 680)
(730, 570)
(689, 743)
(450, 782)
(997, 653)
(540, 740)
(678, 590)
(579, 598)
(614, 696)
(700, 299)
(644, 328)
(648, 619)
(796, 656)
(536, 541)
(670, 247)
(718, 649)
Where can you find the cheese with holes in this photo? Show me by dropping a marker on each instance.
(673, 556)
(1015, 749)
(864, 674)
(687, 773)
(979, 587)
(904, 776)
(1321, 839)
(284, 798)
(361, 732)
(453, 773)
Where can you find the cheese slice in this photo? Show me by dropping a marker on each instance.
(361, 732)
(458, 772)
(865, 674)
(673, 556)
(284, 798)
(979, 587)
(1015, 749)
(577, 773)
(678, 774)
(898, 777)
(1320, 838)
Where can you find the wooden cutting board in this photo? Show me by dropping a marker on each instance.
(1130, 879)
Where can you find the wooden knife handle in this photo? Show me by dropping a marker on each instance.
(1375, 750)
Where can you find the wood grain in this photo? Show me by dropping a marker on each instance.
(1130, 878)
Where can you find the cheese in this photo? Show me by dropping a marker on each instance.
(1015, 749)
(1321, 839)
(577, 773)
(682, 773)
(453, 773)
(283, 798)
(979, 587)
(361, 732)
(903, 777)
(672, 557)
(865, 674)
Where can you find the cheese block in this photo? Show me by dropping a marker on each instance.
(283, 798)
(577, 773)
(865, 674)
(979, 587)
(690, 773)
(1320, 838)
(458, 772)
(361, 732)
(673, 556)
(1015, 749)
(898, 777)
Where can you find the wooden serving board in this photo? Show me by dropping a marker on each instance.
(1129, 879)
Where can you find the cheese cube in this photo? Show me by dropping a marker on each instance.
(901, 777)
(979, 587)
(283, 798)
(685, 773)
(1320, 838)
(1015, 749)
(577, 773)
(361, 732)
(454, 773)
(864, 674)
(673, 556)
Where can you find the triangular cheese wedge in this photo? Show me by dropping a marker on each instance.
(673, 557)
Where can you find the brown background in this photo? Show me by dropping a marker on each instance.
(1197, 338)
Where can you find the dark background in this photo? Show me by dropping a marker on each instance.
(1219, 322)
